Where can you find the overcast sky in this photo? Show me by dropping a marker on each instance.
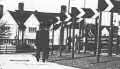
(47, 5)
(51, 5)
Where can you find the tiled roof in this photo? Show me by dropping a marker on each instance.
(20, 17)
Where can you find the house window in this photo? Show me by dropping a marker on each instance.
(32, 29)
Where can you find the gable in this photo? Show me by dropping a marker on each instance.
(8, 19)
(32, 21)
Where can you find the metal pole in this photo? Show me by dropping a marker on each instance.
(111, 36)
(67, 39)
(118, 37)
(69, 26)
(79, 38)
(69, 7)
(84, 30)
(99, 38)
(61, 38)
(69, 46)
(22, 37)
(117, 48)
(96, 31)
(73, 38)
(85, 34)
(84, 3)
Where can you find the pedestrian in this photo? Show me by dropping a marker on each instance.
(42, 43)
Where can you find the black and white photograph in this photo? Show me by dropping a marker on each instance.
(59, 34)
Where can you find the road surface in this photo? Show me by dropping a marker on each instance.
(27, 61)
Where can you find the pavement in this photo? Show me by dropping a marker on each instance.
(81, 61)
(27, 61)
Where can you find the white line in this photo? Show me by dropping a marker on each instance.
(68, 17)
(110, 5)
(69, 23)
(96, 13)
(81, 13)
(79, 20)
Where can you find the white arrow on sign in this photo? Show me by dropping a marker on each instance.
(81, 13)
(90, 33)
(58, 22)
(69, 23)
(110, 5)
(96, 13)
(79, 20)
(68, 17)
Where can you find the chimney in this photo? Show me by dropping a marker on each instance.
(21, 6)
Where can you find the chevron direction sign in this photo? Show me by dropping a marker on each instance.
(109, 5)
(105, 5)
(96, 13)
(84, 12)
(68, 17)
(116, 4)
(88, 13)
(80, 13)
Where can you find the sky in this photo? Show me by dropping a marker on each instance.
(47, 5)
(53, 6)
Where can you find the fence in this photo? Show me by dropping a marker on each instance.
(12, 46)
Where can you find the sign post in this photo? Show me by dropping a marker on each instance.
(62, 18)
(99, 38)
(105, 5)
(111, 36)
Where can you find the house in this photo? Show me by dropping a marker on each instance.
(32, 26)
(12, 27)
(10, 22)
